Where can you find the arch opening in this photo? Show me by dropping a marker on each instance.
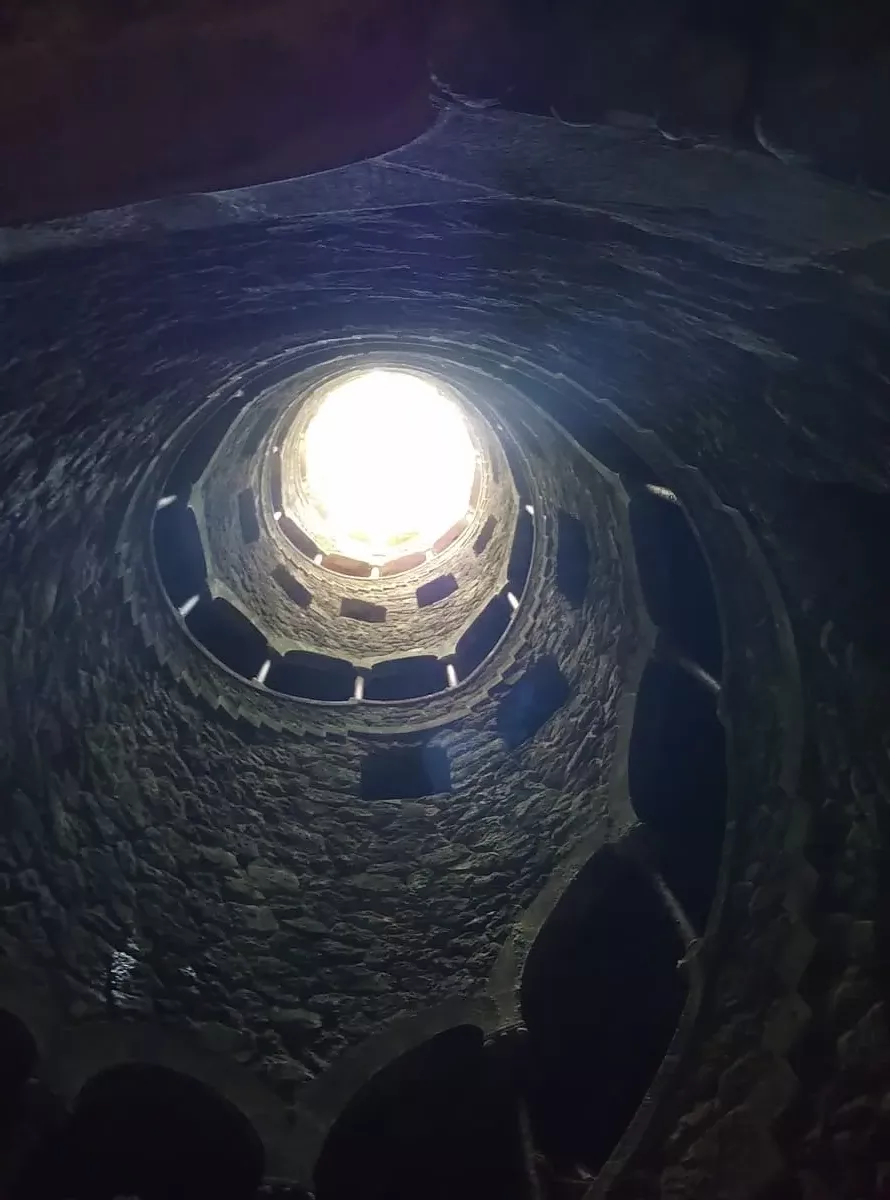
(311, 676)
(228, 635)
(179, 553)
(405, 678)
(677, 780)
(437, 1123)
(146, 1130)
(572, 558)
(532, 701)
(601, 996)
(675, 579)
(406, 773)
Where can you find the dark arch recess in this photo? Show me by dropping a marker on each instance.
(436, 590)
(437, 1123)
(572, 558)
(311, 676)
(18, 1061)
(247, 516)
(178, 552)
(228, 635)
(484, 536)
(298, 539)
(602, 997)
(406, 772)
(196, 455)
(675, 579)
(521, 551)
(362, 610)
(481, 637)
(532, 701)
(146, 1130)
(291, 586)
(855, 523)
(405, 678)
(677, 777)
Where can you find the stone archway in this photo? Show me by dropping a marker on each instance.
(147, 1130)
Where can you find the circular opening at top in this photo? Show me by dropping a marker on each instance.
(389, 465)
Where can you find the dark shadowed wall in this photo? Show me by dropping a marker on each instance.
(100, 107)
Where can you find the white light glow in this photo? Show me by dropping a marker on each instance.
(389, 464)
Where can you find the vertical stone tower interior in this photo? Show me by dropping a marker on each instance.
(480, 791)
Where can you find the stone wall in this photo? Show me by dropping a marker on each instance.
(100, 108)
(728, 315)
(800, 81)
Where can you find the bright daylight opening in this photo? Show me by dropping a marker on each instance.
(389, 465)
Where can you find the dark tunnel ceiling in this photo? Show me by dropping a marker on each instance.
(804, 84)
(707, 324)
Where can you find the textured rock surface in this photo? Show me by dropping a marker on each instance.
(217, 872)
